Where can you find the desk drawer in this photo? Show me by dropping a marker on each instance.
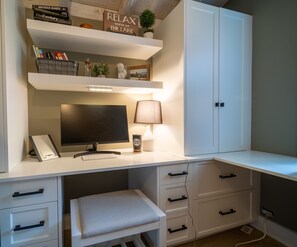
(15, 194)
(179, 228)
(53, 243)
(175, 197)
(176, 173)
(223, 212)
(214, 178)
(27, 225)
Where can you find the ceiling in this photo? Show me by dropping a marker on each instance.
(134, 7)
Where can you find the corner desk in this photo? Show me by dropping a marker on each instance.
(201, 195)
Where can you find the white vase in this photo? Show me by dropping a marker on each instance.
(149, 35)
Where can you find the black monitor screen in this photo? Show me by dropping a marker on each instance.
(89, 124)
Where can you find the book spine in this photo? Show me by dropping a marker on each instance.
(43, 17)
(62, 14)
(47, 7)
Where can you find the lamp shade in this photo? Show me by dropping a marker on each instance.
(148, 112)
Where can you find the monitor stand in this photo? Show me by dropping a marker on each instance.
(94, 151)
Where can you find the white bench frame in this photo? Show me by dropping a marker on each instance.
(159, 226)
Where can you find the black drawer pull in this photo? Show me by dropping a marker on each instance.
(222, 104)
(178, 199)
(229, 176)
(178, 229)
(177, 174)
(18, 194)
(20, 228)
(232, 211)
(217, 104)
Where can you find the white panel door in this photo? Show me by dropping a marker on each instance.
(235, 81)
(201, 78)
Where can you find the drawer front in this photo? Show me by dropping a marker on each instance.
(214, 178)
(29, 225)
(179, 228)
(223, 212)
(27, 192)
(53, 243)
(176, 173)
(175, 197)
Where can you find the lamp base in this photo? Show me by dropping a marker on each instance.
(148, 145)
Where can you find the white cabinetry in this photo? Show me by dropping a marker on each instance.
(171, 188)
(206, 71)
(225, 196)
(29, 213)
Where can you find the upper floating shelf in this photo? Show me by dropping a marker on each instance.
(76, 39)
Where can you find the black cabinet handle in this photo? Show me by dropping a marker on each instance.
(222, 104)
(18, 194)
(178, 229)
(232, 211)
(229, 176)
(20, 228)
(178, 199)
(177, 174)
(217, 104)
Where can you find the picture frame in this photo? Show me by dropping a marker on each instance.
(44, 147)
(140, 72)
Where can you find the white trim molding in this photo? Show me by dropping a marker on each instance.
(278, 232)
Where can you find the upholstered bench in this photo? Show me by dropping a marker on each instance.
(104, 217)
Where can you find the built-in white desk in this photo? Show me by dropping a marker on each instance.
(151, 172)
(273, 164)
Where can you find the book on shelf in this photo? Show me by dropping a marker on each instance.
(51, 8)
(60, 14)
(43, 17)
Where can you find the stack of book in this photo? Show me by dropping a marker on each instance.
(55, 14)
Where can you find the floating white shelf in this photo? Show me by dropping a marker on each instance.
(83, 83)
(77, 39)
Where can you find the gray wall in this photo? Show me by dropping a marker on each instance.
(274, 124)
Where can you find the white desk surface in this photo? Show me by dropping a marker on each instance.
(273, 164)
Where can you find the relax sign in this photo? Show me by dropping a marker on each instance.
(114, 22)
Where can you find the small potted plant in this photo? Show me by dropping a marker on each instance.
(147, 20)
(101, 70)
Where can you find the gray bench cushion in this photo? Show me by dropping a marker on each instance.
(114, 211)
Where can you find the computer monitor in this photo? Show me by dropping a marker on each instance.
(93, 124)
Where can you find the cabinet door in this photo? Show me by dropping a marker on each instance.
(201, 78)
(235, 81)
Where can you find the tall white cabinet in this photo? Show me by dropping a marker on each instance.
(205, 66)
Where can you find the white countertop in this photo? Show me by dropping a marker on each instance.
(273, 164)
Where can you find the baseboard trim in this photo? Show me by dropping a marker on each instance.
(278, 232)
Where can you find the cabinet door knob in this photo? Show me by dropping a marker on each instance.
(222, 104)
(217, 104)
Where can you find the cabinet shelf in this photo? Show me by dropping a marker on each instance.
(82, 84)
(76, 39)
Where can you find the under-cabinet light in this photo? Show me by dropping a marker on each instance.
(100, 89)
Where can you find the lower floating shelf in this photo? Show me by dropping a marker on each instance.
(86, 84)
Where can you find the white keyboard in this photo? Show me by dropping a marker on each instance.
(99, 156)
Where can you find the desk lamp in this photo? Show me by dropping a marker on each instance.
(148, 112)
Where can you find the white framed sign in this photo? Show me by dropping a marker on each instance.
(44, 147)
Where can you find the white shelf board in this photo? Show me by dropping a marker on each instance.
(82, 83)
(76, 39)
